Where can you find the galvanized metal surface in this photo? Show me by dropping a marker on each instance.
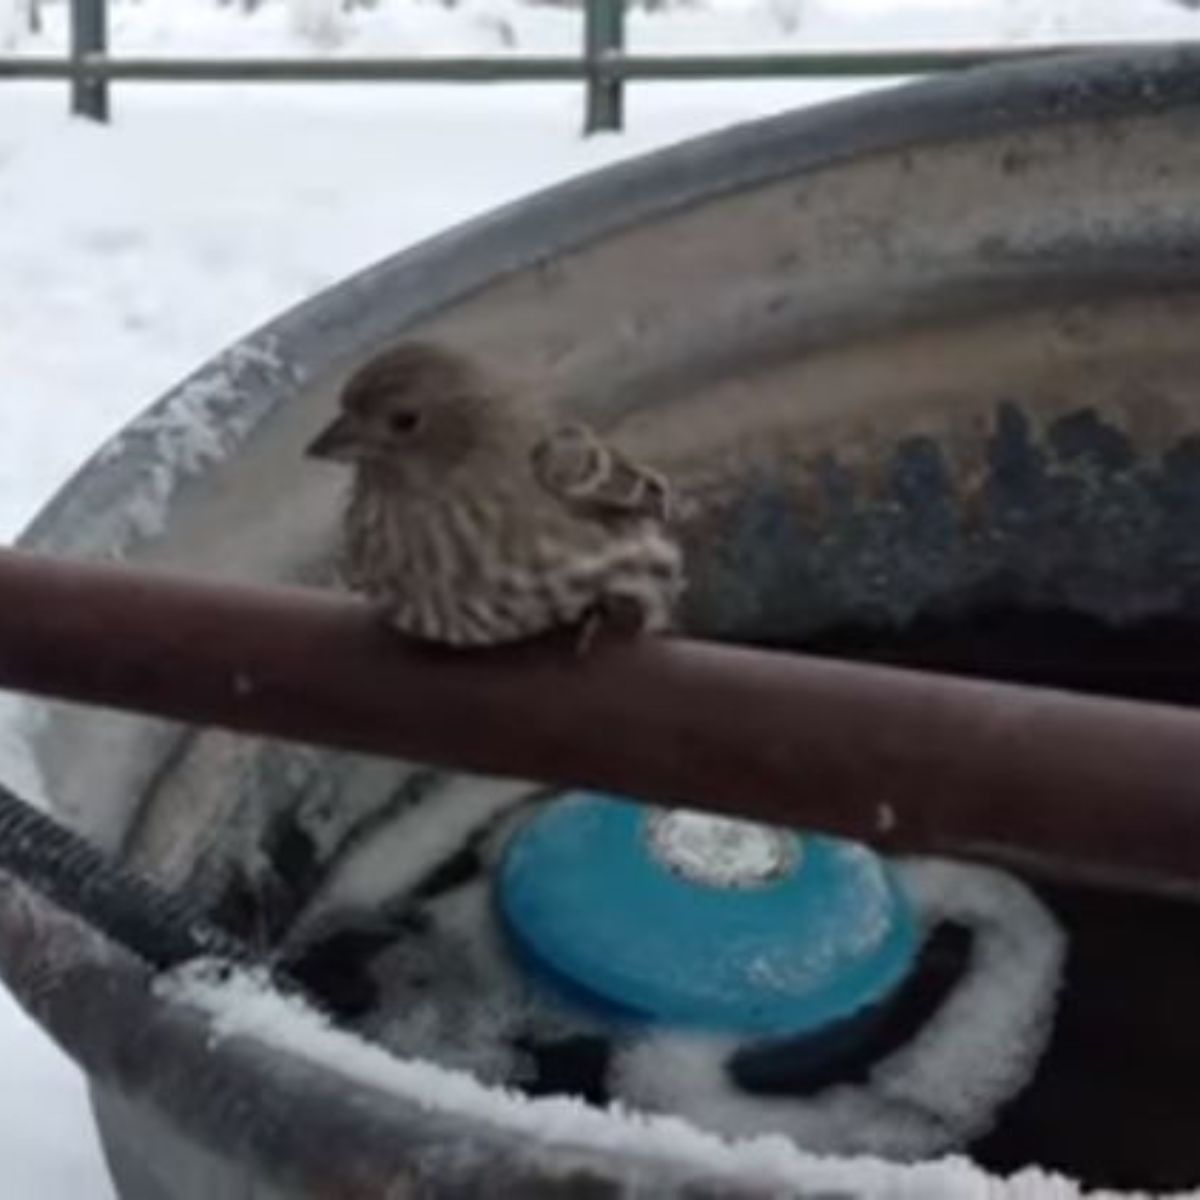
(903, 354)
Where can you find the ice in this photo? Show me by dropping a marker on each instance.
(448, 994)
(940, 1090)
(718, 851)
(449, 990)
(397, 853)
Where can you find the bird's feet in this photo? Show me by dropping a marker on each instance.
(616, 616)
(589, 630)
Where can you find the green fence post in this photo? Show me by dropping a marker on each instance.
(89, 35)
(603, 33)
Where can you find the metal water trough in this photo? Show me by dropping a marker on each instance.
(922, 363)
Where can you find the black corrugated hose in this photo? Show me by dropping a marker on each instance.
(163, 929)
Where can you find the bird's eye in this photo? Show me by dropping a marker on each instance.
(403, 421)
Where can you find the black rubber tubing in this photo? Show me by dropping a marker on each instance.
(160, 927)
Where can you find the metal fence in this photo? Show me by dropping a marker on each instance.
(604, 66)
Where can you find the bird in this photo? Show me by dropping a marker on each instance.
(476, 518)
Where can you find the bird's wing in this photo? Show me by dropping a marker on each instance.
(576, 467)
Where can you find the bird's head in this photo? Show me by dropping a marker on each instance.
(416, 410)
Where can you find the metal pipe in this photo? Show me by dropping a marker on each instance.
(516, 68)
(896, 757)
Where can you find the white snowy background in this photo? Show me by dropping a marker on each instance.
(131, 253)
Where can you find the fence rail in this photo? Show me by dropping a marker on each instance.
(603, 65)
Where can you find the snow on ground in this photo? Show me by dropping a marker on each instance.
(131, 253)
(553, 26)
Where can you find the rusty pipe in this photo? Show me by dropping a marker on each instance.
(896, 757)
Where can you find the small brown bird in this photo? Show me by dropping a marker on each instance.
(476, 519)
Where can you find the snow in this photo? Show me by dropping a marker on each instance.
(200, 425)
(677, 26)
(134, 252)
(398, 853)
(243, 1004)
(940, 1090)
(448, 989)
(721, 852)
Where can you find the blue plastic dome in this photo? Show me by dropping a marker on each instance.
(683, 919)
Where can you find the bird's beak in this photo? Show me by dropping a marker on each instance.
(338, 441)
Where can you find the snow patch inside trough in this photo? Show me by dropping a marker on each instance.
(243, 1004)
